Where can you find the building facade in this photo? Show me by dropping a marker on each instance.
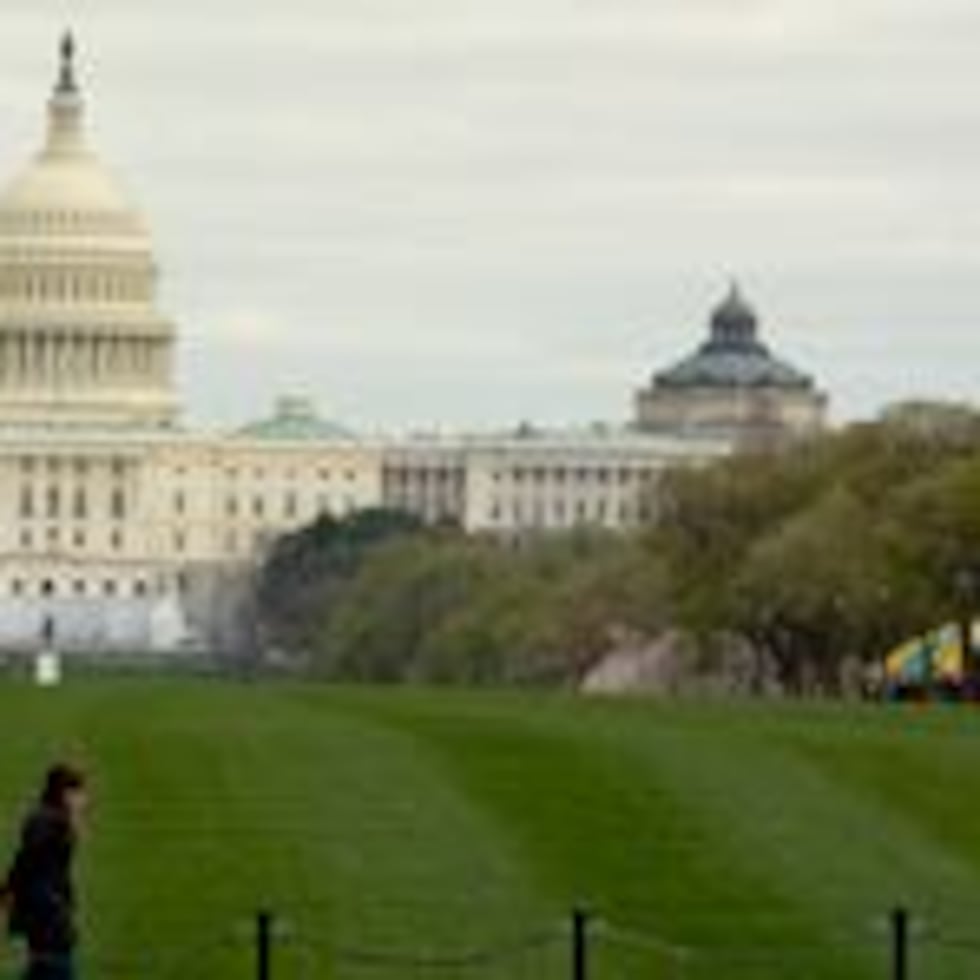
(528, 481)
(121, 530)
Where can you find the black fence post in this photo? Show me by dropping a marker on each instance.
(580, 944)
(900, 943)
(263, 945)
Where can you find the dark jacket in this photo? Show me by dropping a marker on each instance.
(40, 893)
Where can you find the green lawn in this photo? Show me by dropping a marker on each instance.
(730, 842)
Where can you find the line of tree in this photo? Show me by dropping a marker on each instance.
(825, 553)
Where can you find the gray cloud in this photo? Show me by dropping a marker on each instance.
(474, 212)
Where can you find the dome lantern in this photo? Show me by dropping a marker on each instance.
(734, 322)
(65, 107)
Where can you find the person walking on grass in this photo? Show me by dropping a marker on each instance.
(38, 893)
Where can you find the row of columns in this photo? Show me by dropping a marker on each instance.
(92, 288)
(32, 360)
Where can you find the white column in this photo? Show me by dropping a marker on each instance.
(39, 373)
(52, 360)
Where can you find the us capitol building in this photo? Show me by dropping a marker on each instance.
(121, 530)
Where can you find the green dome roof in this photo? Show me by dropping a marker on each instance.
(294, 420)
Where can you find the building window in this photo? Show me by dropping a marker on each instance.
(53, 537)
(109, 587)
(116, 540)
(290, 505)
(53, 501)
(26, 538)
(80, 504)
(258, 506)
(79, 586)
(26, 502)
(139, 588)
(17, 587)
(180, 541)
(78, 538)
(180, 502)
(117, 505)
(47, 587)
(231, 506)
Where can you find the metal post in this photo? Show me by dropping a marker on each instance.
(580, 944)
(900, 943)
(263, 945)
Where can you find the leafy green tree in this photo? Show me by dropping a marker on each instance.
(306, 570)
(933, 529)
(818, 589)
(401, 594)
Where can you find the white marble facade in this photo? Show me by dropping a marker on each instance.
(120, 529)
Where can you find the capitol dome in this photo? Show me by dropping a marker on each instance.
(81, 341)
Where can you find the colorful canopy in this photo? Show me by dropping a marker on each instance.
(936, 656)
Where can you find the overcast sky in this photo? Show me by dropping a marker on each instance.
(424, 211)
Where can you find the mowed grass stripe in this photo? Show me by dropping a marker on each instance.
(766, 838)
(719, 827)
(213, 801)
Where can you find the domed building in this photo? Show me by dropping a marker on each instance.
(124, 532)
(119, 529)
(732, 386)
(81, 341)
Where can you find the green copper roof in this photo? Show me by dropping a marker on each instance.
(294, 420)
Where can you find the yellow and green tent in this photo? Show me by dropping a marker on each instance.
(936, 656)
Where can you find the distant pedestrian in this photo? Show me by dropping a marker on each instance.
(38, 892)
